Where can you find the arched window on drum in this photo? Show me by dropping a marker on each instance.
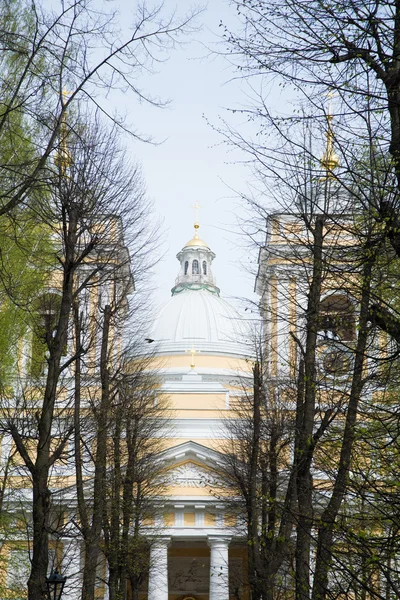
(337, 319)
(186, 267)
(204, 267)
(195, 267)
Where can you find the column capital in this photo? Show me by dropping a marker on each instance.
(219, 540)
(161, 541)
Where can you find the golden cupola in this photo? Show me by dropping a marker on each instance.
(196, 271)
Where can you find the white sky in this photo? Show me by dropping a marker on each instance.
(192, 163)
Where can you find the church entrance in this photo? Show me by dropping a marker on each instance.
(197, 570)
(188, 570)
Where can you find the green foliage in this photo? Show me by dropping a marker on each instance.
(23, 273)
(18, 126)
(24, 242)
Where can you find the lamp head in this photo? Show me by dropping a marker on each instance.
(55, 585)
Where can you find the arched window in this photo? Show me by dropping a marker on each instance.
(204, 267)
(195, 267)
(337, 318)
(186, 266)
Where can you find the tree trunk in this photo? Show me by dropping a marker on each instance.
(92, 541)
(44, 457)
(271, 562)
(255, 574)
(304, 451)
(328, 517)
(112, 522)
(40, 541)
(134, 587)
(77, 423)
(128, 503)
(113, 578)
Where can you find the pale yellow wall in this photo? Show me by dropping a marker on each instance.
(204, 360)
(193, 413)
(189, 519)
(209, 520)
(203, 401)
(178, 490)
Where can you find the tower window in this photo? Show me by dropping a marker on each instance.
(186, 266)
(337, 319)
(195, 267)
(204, 267)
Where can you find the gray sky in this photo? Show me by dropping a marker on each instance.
(192, 163)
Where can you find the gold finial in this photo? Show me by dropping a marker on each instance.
(192, 353)
(330, 159)
(196, 222)
(196, 241)
(63, 158)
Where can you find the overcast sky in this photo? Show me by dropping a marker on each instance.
(192, 164)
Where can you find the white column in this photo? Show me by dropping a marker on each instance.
(72, 568)
(158, 572)
(219, 571)
(106, 587)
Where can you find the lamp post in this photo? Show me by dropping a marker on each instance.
(55, 585)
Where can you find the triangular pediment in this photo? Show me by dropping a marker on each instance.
(190, 465)
(190, 452)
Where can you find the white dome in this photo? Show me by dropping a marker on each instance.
(200, 318)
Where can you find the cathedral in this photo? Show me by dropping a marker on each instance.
(202, 345)
(201, 535)
(201, 352)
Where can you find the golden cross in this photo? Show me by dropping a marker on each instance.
(192, 353)
(330, 95)
(196, 207)
(65, 93)
(329, 160)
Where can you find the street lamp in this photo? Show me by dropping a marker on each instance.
(55, 585)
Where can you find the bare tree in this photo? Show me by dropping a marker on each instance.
(84, 215)
(49, 64)
(349, 50)
(134, 481)
(319, 274)
(117, 418)
(256, 450)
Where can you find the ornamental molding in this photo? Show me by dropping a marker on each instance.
(189, 475)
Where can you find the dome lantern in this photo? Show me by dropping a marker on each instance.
(195, 272)
(196, 316)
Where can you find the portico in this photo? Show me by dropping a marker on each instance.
(193, 568)
(189, 552)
